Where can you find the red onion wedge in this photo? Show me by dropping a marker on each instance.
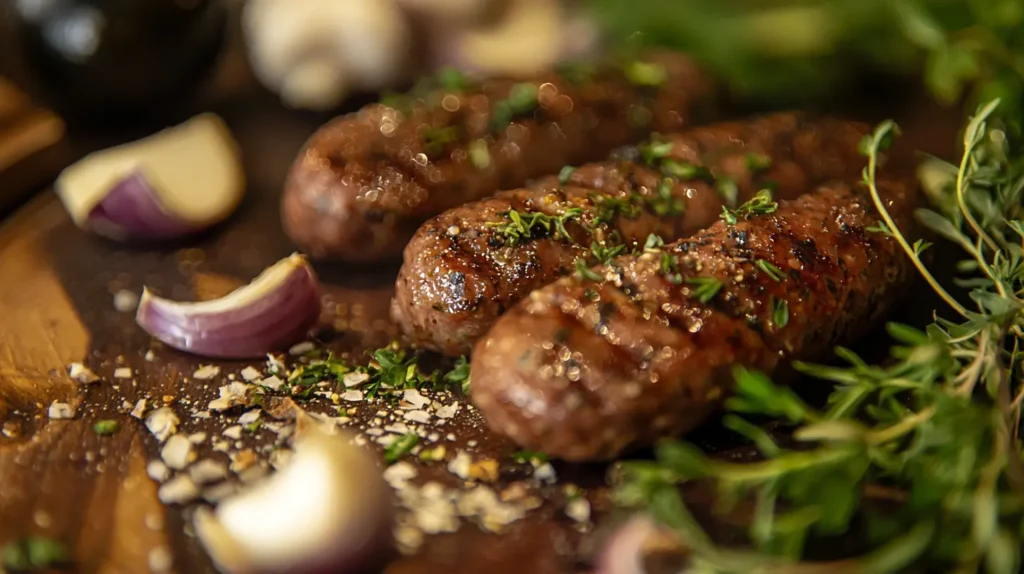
(171, 184)
(328, 510)
(626, 548)
(273, 312)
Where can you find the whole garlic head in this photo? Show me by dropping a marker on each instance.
(314, 52)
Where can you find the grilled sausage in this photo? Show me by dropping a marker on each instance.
(461, 271)
(366, 181)
(584, 369)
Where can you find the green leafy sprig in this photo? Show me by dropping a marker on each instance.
(935, 432)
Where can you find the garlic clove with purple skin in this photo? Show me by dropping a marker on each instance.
(327, 510)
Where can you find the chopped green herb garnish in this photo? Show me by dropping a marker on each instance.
(401, 447)
(772, 271)
(459, 375)
(654, 150)
(760, 204)
(670, 268)
(106, 427)
(584, 271)
(645, 74)
(522, 227)
(705, 288)
(684, 170)
(522, 100)
(727, 190)
(780, 312)
(479, 155)
(392, 369)
(529, 456)
(654, 242)
(565, 174)
(34, 554)
(576, 73)
(436, 138)
(253, 426)
(604, 254)
(318, 370)
(609, 208)
(663, 202)
(758, 162)
(452, 79)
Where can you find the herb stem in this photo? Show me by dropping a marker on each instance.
(883, 130)
(901, 428)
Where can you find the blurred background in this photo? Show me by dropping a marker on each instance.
(108, 67)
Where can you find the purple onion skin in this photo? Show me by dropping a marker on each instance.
(283, 316)
(622, 552)
(132, 210)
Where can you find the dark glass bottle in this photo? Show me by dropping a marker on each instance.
(111, 60)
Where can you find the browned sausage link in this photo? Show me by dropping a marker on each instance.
(584, 370)
(461, 271)
(365, 181)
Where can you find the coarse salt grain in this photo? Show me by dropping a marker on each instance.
(207, 471)
(447, 411)
(250, 374)
(355, 379)
(176, 452)
(218, 492)
(233, 432)
(460, 465)
(301, 348)
(160, 559)
(82, 374)
(58, 411)
(397, 428)
(578, 509)
(150, 356)
(138, 411)
(158, 471)
(178, 490)
(123, 373)
(125, 301)
(414, 398)
(272, 382)
(417, 416)
(205, 372)
(352, 396)
(162, 423)
(249, 417)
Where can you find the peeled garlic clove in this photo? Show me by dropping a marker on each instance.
(327, 510)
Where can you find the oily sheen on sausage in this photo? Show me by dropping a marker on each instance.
(364, 182)
(584, 370)
(461, 270)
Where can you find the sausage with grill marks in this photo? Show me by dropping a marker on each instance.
(584, 370)
(461, 272)
(365, 181)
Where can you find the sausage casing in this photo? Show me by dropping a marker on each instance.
(461, 273)
(365, 181)
(584, 370)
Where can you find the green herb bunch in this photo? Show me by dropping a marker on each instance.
(798, 50)
(920, 457)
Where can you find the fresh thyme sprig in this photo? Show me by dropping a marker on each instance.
(521, 227)
(937, 429)
(760, 204)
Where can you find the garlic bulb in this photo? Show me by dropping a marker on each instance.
(313, 53)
